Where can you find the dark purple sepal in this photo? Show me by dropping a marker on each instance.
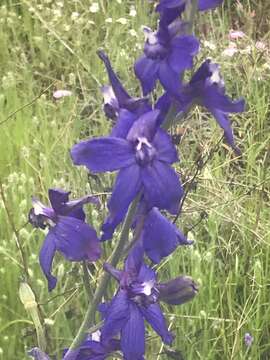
(154, 316)
(76, 240)
(177, 291)
(160, 237)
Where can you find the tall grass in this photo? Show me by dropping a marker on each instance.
(45, 43)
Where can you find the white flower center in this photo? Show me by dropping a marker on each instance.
(143, 141)
(96, 336)
(147, 287)
(215, 77)
(150, 36)
(38, 207)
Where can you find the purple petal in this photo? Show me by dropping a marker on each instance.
(74, 208)
(155, 317)
(133, 335)
(163, 104)
(120, 92)
(127, 186)
(146, 274)
(146, 71)
(58, 197)
(46, 256)
(76, 240)
(103, 154)
(212, 98)
(162, 187)
(117, 315)
(169, 79)
(117, 274)
(168, 15)
(166, 150)
(184, 48)
(202, 73)
(224, 123)
(134, 260)
(124, 122)
(160, 237)
(144, 127)
(208, 4)
(167, 4)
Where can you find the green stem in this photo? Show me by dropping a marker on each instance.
(86, 281)
(113, 260)
(191, 13)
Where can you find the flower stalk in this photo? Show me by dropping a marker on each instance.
(104, 281)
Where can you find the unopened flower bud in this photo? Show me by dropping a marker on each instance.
(178, 290)
(27, 296)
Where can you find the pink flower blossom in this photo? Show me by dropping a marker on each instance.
(236, 34)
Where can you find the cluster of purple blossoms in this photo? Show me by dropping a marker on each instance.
(142, 152)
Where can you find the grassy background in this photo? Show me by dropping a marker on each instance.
(47, 42)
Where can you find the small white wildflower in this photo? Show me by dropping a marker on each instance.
(231, 50)
(30, 271)
(74, 15)
(109, 20)
(40, 282)
(66, 27)
(260, 45)
(57, 13)
(132, 11)
(25, 152)
(247, 50)
(59, 94)
(122, 21)
(94, 8)
(133, 32)
(90, 22)
(209, 45)
(49, 322)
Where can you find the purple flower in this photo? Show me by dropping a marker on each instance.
(93, 348)
(159, 236)
(68, 233)
(165, 57)
(137, 300)
(116, 98)
(207, 88)
(134, 302)
(248, 339)
(144, 160)
(171, 9)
